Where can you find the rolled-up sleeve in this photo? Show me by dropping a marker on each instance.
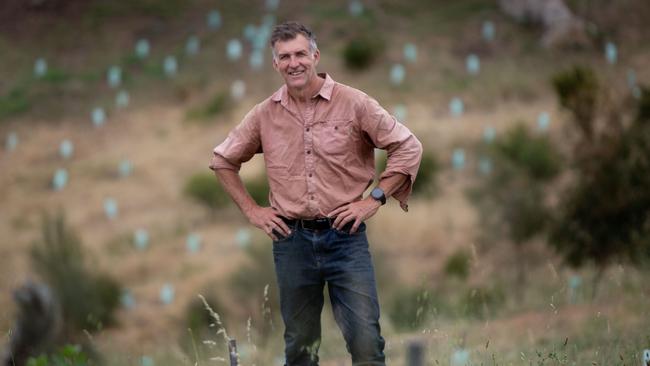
(242, 143)
(404, 150)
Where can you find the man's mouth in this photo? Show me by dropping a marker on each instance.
(296, 73)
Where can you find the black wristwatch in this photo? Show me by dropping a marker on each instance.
(379, 195)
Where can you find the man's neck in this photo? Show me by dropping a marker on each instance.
(305, 94)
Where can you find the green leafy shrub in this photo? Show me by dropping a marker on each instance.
(219, 104)
(56, 76)
(531, 155)
(67, 356)
(411, 307)
(206, 190)
(258, 188)
(425, 183)
(605, 216)
(457, 265)
(511, 199)
(359, 53)
(15, 102)
(482, 302)
(88, 299)
(577, 90)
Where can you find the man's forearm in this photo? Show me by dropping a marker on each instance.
(233, 185)
(391, 184)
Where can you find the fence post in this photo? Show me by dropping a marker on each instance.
(232, 350)
(415, 354)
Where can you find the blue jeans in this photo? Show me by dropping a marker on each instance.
(304, 262)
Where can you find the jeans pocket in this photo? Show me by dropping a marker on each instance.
(282, 238)
(346, 229)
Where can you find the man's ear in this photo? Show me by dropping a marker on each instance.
(316, 57)
(275, 64)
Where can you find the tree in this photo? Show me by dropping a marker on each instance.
(605, 212)
(512, 198)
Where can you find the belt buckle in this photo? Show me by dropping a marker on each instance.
(316, 222)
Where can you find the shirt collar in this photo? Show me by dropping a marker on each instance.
(282, 95)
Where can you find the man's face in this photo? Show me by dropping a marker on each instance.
(295, 62)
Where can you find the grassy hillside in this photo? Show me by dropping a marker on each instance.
(171, 124)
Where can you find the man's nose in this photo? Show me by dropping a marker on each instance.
(293, 61)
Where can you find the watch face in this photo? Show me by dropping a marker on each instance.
(378, 194)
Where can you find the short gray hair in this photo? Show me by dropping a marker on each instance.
(290, 30)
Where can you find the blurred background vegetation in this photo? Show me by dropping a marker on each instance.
(527, 232)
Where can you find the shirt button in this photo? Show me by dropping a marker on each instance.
(307, 129)
(308, 151)
(311, 197)
(309, 174)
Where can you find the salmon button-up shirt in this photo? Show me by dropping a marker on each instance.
(321, 156)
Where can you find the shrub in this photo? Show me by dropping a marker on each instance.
(67, 356)
(532, 155)
(458, 264)
(605, 216)
(206, 190)
(55, 76)
(88, 299)
(15, 102)
(410, 308)
(425, 183)
(359, 53)
(220, 103)
(258, 188)
(577, 90)
(482, 302)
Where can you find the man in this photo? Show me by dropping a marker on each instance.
(318, 138)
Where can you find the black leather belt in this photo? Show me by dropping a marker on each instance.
(324, 223)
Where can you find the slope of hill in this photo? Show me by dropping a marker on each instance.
(81, 40)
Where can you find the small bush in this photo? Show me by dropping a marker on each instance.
(88, 299)
(482, 302)
(458, 265)
(55, 76)
(220, 103)
(258, 188)
(532, 155)
(206, 190)
(67, 356)
(410, 308)
(577, 90)
(15, 102)
(360, 53)
(425, 183)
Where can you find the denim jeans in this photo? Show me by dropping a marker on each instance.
(304, 262)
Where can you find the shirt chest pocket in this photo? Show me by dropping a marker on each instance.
(335, 136)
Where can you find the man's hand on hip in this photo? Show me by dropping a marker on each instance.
(358, 212)
(267, 219)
